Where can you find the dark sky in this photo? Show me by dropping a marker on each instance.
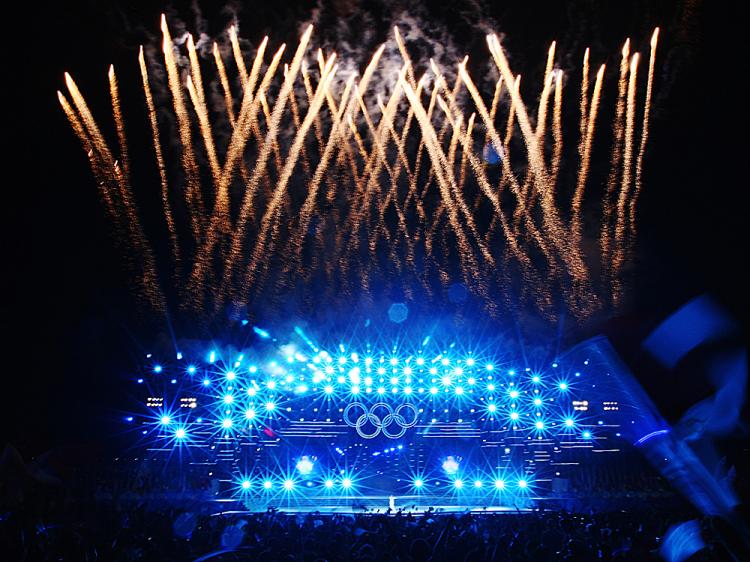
(70, 327)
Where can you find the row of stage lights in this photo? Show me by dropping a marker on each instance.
(179, 431)
(348, 485)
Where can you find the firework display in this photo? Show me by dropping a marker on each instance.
(294, 178)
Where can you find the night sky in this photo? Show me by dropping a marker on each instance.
(72, 331)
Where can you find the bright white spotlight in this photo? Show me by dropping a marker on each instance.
(252, 391)
(328, 389)
(470, 362)
(535, 378)
(539, 424)
(446, 380)
(537, 401)
(490, 367)
(346, 483)
(522, 483)
(206, 382)
(458, 483)
(246, 484)
(165, 420)
(270, 406)
(563, 386)
(305, 465)
(231, 375)
(433, 390)
(450, 465)
(228, 399)
(267, 484)
(226, 423)
(157, 369)
(250, 413)
(514, 416)
(418, 483)
(328, 483)
(477, 483)
(191, 369)
(569, 422)
(459, 390)
(180, 433)
(513, 394)
(492, 408)
(288, 484)
(587, 435)
(499, 484)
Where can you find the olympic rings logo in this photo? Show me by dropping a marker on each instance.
(374, 415)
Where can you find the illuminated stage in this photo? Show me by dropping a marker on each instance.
(301, 428)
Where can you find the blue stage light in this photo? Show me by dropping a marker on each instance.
(513, 394)
(180, 433)
(450, 465)
(206, 382)
(418, 483)
(537, 401)
(492, 408)
(328, 483)
(523, 484)
(500, 484)
(158, 369)
(563, 386)
(228, 399)
(246, 484)
(477, 483)
(569, 422)
(226, 423)
(458, 484)
(288, 484)
(587, 435)
(267, 484)
(270, 406)
(490, 367)
(250, 413)
(346, 483)
(231, 375)
(191, 369)
(514, 416)
(165, 420)
(305, 465)
(328, 389)
(539, 425)
(535, 378)
(129, 418)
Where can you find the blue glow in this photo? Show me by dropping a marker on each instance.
(212, 357)
(158, 368)
(261, 332)
(523, 484)
(587, 435)
(418, 483)
(180, 433)
(305, 465)
(288, 484)
(227, 423)
(328, 483)
(246, 484)
(191, 369)
(458, 483)
(500, 484)
(563, 386)
(346, 483)
(450, 465)
(231, 375)
(206, 382)
(165, 420)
